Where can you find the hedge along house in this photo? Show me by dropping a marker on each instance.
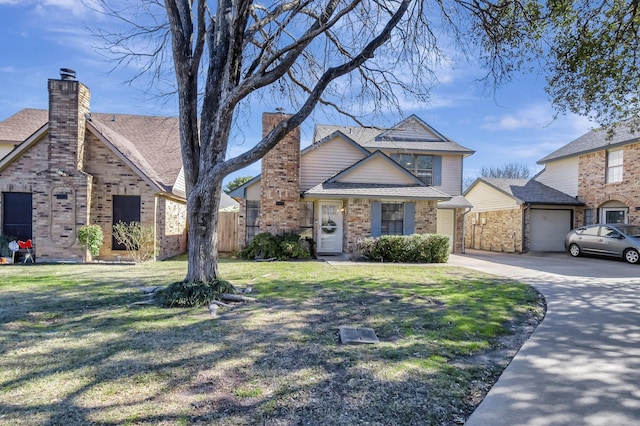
(71, 167)
(355, 182)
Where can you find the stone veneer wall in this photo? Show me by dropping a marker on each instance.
(112, 176)
(501, 231)
(593, 189)
(280, 180)
(358, 220)
(171, 228)
(49, 170)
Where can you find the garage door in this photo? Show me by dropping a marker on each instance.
(445, 223)
(548, 229)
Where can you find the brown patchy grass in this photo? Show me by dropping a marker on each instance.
(75, 351)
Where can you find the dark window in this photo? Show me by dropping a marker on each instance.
(420, 165)
(253, 214)
(16, 215)
(126, 209)
(306, 219)
(392, 222)
(588, 217)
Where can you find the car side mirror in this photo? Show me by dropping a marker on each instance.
(621, 237)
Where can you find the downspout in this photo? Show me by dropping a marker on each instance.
(464, 228)
(524, 222)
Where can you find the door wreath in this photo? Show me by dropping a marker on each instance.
(329, 227)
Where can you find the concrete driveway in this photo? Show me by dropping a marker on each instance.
(582, 364)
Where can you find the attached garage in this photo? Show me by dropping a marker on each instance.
(548, 229)
(518, 215)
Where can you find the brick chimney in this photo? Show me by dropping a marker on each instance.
(68, 108)
(280, 180)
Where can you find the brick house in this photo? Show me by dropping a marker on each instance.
(518, 215)
(71, 167)
(598, 170)
(601, 170)
(355, 182)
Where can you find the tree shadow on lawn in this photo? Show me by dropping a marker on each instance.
(274, 362)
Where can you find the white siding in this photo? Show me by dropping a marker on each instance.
(451, 178)
(561, 175)
(319, 164)
(486, 198)
(377, 170)
(253, 192)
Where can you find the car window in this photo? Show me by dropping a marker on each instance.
(608, 231)
(592, 230)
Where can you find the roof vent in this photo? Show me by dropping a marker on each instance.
(67, 74)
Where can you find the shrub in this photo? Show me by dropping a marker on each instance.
(190, 294)
(281, 247)
(91, 237)
(138, 240)
(429, 248)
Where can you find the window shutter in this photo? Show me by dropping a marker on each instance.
(409, 218)
(376, 218)
(437, 170)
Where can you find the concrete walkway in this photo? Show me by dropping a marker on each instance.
(582, 364)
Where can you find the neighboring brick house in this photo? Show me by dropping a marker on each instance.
(601, 170)
(72, 167)
(598, 177)
(518, 215)
(355, 182)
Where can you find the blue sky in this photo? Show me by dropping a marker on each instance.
(514, 125)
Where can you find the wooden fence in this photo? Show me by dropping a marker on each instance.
(227, 232)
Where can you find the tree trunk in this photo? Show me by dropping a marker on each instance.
(202, 214)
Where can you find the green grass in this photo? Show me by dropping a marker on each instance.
(75, 351)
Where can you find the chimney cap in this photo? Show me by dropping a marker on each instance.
(67, 74)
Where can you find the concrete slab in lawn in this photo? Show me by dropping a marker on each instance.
(357, 335)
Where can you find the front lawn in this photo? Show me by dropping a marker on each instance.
(74, 350)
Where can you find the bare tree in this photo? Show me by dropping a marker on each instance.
(508, 170)
(342, 54)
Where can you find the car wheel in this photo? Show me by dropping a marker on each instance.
(631, 256)
(574, 250)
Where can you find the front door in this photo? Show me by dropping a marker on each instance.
(329, 227)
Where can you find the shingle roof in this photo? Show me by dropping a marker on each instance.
(152, 144)
(22, 124)
(530, 191)
(594, 140)
(373, 190)
(374, 138)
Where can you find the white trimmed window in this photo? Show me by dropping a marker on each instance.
(614, 166)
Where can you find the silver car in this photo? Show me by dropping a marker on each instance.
(618, 240)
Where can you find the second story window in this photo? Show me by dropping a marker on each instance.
(614, 166)
(420, 165)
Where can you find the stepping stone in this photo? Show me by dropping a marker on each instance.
(357, 335)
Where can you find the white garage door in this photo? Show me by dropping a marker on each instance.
(548, 229)
(445, 223)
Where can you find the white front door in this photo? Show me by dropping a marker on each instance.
(329, 227)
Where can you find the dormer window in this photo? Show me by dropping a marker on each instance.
(420, 165)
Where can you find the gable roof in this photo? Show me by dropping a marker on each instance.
(594, 140)
(150, 145)
(333, 136)
(529, 191)
(411, 134)
(22, 124)
(335, 188)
